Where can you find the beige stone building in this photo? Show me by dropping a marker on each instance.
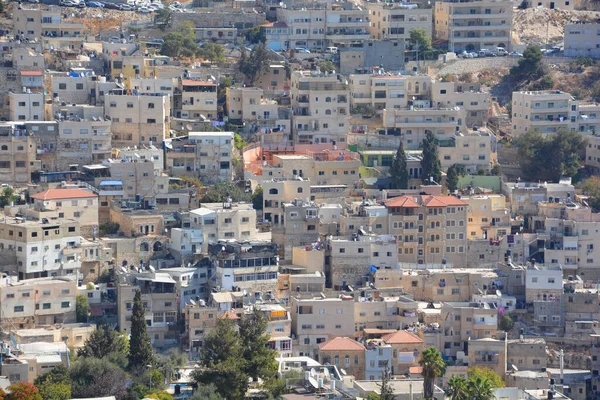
(275, 80)
(474, 150)
(488, 353)
(280, 191)
(77, 204)
(17, 155)
(321, 107)
(463, 322)
(136, 222)
(524, 197)
(413, 124)
(592, 153)
(74, 334)
(396, 21)
(137, 119)
(378, 92)
(527, 354)
(474, 25)
(581, 38)
(48, 26)
(316, 320)
(383, 312)
(206, 155)
(469, 96)
(487, 217)
(198, 99)
(160, 302)
(407, 349)
(37, 302)
(344, 353)
(26, 106)
(429, 229)
(224, 221)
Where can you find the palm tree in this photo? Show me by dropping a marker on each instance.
(458, 388)
(433, 366)
(480, 388)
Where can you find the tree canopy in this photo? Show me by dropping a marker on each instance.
(530, 65)
(23, 391)
(7, 196)
(506, 323)
(219, 192)
(452, 178)
(255, 64)
(591, 188)
(547, 158)
(257, 198)
(82, 308)
(181, 42)
(212, 52)
(430, 163)
(55, 384)
(433, 366)
(93, 377)
(486, 373)
(419, 38)
(103, 342)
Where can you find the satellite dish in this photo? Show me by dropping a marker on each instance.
(189, 127)
(313, 372)
(192, 302)
(313, 382)
(326, 372)
(245, 293)
(498, 293)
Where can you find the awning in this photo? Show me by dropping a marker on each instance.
(111, 183)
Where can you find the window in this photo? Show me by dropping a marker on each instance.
(19, 308)
(65, 304)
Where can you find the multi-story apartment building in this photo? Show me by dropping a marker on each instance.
(488, 353)
(429, 229)
(275, 80)
(397, 20)
(463, 321)
(198, 99)
(30, 303)
(299, 226)
(160, 298)
(81, 89)
(474, 150)
(316, 320)
(378, 92)
(317, 26)
(138, 118)
(190, 282)
(469, 96)
(186, 244)
(207, 155)
(279, 327)
(543, 283)
(581, 39)
(26, 106)
(145, 153)
(280, 191)
(48, 26)
(84, 136)
(474, 25)
(487, 217)
(527, 354)
(383, 312)
(36, 249)
(548, 111)
(413, 124)
(350, 259)
(17, 154)
(246, 265)
(592, 153)
(365, 216)
(387, 54)
(224, 221)
(320, 106)
(76, 204)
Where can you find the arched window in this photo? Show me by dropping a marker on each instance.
(327, 112)
(157, 246)
(336, 360)
(273, 191)
(300, 190)
(327, 99)
(144, 246)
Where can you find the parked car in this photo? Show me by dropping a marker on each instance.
(515, 54)
(554, 50)
(127, 7)
(112, 6)
(94, 4)
(33, 1)
(302, 50)
(473, 55)
(145, 10)
(114, 39)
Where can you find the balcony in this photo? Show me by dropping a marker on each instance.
(486, 323)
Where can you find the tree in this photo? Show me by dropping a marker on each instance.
(385, 389)
(55, 384)
(158, 395)
(180, 43)
(327, 66)
(591, 188)
(222, 361)
(82, 308)
(23, 391)
(256, 35)
(480, 388)
(213, 52)
(419, 39)
(260, 359)
(1, 7)
(433, 366)
(458, 388)
(7, 196)
(239, 142)
(506, 323)
(255, 64)
(452, 178)
(530, 65)
(496, 170)
(563, 148)
(399, 170)
(93, 377)
(103, 342)
(206, 392)
(140, 348)
(221, 190)
(485, 373)
(257, 198)
(432, 168)
(545, 83)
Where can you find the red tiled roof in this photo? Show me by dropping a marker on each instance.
(402, 201)
(426, 200)
(31, 73)
(341, 343)
(55, 194)
(191, 82)
(401, 337)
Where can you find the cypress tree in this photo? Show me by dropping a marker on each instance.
(399, 170)
(452, 178)
(140, 348)
(432, 168)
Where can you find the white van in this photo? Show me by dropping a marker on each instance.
(501, 51)
(332, 50)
